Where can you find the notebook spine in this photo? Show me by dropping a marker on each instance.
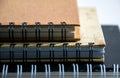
(51, 56)
(12, 35)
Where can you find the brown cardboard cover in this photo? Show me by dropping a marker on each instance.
(44, 11)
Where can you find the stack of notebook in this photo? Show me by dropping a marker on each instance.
(49, 31)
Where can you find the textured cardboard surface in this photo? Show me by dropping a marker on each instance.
(90, 29)
(45, 11)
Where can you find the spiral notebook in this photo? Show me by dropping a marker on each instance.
(39, 20)
(53, 52)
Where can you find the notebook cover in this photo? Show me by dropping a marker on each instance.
(45, 11)
(90, 29)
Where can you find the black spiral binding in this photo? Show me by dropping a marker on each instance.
(11, 31)
(65, 51)
(38, 52)
(51, 53)
(11, 52)
(63, 31)
(50, 31)
(38, 31)
(24, 31)
(25, 45)
(0, 52)
(90, 52)
(78, 50)
(37, 28)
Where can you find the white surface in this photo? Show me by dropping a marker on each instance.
(108, 10)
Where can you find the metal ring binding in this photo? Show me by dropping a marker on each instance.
(75, 71)
(19, 71)
(65, 50)
(63, 31)
(11, 31)
(38, 52)
(50, 31)
(47, 70)
(103, 70)
(78, 50)
(4, 71)
(90, 52)
(89, 70)
(37, 31)
(51, 52)
(25, 52)
(115, 70)
(61, 70)
(33, 71)
(11, 55)
(24, 31)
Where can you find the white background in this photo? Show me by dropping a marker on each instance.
(108, 11)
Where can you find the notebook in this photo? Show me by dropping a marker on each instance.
(53, 52)
(89, 49)
(112, 37)
(39, 20)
